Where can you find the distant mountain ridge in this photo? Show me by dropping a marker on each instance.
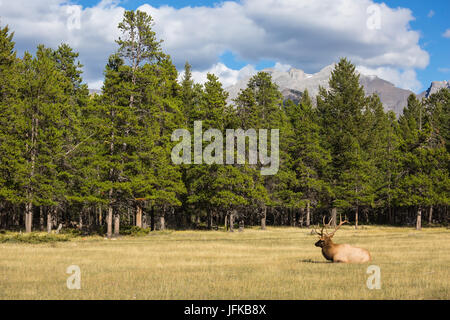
(293, 82)
(435, 87)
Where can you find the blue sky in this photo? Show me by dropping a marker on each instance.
(431, 20)
(234, 39)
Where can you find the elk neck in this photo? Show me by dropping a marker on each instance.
(328, 249)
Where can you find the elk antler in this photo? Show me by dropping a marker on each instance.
(327, 225)
(336, 229)
(320, 234)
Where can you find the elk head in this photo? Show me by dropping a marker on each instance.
(325, 237)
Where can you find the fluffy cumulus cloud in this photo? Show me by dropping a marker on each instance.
(227, 76)
(305, 34)
(446, 34)
(90, 31)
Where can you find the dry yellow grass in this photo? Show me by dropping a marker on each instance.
(279, 263)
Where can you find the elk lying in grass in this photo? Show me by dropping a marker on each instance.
(340, 252)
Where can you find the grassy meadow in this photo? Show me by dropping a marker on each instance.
(279, 263)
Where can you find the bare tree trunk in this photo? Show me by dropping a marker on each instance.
(232, 221)
(419, 219)
(99, 215)
(430, 215)
(109, 222)
(292, 217)
(162, 223)
(356, 217)
(80, 224)
(209, 218)
(144, 220)
(89, 218)
(116, 225)
(50, 213)
(263, 218)
(28, 217)
(41, 218)
(334, 216)
(226, 222)
(162, 220)
(139, 216)
(308, 215)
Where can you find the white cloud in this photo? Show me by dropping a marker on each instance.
(304, 34)
(430, 14)
(446, 34)
(444, 70)
(282, 67)
(51, 23)
(96, 85)
(226, 75)
(406, 79)
(307, 34)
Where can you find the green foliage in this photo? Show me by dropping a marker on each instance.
(66, 152)
(134, 231)
(33, 238)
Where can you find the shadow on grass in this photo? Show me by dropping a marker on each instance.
(312, 261)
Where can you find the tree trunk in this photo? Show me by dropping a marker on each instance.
(334, 216)
(41, 218)
(139, 216)
(50, 214)
(162, 220)
(263, 218)
(116, 225)
(308, 215)
(356, 217)
(301, 219)
(100, 218)
(209, 222)
(226, 222)
(109, 222)
(162, 223)
(419, 219)
(232, 221)
(293, 222)
(33, 155)
(430, 215)
(152, 219)
(80, 224)
(28, 217)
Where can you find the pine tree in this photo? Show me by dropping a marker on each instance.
(341, 111)
(415, 186)
(260, 106)
(43, 110)
(310, 159)
(10, 140)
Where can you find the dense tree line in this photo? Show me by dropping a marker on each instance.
(102, 162)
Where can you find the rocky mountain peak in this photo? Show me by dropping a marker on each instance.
(294, 82)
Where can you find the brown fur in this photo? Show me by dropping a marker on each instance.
(344, 253)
